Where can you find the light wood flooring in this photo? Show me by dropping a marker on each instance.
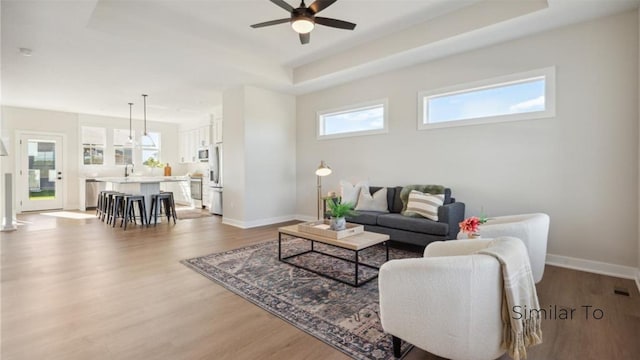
(78, 289)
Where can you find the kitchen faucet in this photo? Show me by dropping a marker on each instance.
(125, 169)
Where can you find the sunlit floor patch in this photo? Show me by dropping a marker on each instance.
(69, 215)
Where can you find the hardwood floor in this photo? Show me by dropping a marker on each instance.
(78, 289)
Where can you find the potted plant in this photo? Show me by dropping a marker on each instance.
(338, 211)
(153, 164)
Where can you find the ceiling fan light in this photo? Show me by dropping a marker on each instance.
(302, 25)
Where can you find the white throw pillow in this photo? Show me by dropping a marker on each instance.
(425, 204)
(350, 192)
(375, 202)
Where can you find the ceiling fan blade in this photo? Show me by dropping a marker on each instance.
(335, 23)
(320, 5)
(304, 38)
(283, 5)
(272, 22)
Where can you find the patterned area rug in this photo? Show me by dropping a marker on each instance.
(342, 316)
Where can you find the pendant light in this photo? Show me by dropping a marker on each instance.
(144, 99)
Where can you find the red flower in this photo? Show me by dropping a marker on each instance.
(470, 225)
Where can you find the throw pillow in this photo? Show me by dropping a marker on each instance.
(425, 204)
(431, 189)
(350, 192)
(375, 202)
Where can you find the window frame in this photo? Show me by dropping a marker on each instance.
(548, 73)
(353, 108)
(123, 147)
(93, 147)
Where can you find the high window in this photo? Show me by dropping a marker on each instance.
(522, 96)
(362, 119)
(93, 141)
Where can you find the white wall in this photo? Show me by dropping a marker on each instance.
(233, 161)
(580, 167)
(270, 155)
(259, 157)
(68, 124)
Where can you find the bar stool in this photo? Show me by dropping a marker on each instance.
(106, 204)
(117, 209)
(163, 199)
(129, 209)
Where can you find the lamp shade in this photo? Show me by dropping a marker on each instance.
(323, 169)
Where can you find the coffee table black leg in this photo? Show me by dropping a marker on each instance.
(279, 246)
(356, 283)
(386, 245)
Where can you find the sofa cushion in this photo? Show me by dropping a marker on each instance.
(365, 217)
(424, 204)
(431, 189)
(372, 202)
(421, 225)
(349, 192)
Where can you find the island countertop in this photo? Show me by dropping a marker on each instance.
(141, 179)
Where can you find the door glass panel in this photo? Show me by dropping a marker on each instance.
(42, 169)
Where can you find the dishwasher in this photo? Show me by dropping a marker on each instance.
(92, 189)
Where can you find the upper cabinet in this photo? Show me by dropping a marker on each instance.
(217, 130)
(192, 140)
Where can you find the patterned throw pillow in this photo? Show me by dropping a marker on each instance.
(350, 192)
(375, 202)
(425, 204)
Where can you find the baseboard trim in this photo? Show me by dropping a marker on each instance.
(597, 267)
(638, 279)
(256, 223)
(300, 217)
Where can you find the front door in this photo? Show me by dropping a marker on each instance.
(40, 175)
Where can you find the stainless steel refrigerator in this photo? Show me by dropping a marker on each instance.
(215, 179)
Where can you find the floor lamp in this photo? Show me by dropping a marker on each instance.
(323, 170)
(7, 224)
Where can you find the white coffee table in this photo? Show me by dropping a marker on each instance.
(355, 243)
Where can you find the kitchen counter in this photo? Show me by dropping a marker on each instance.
(141, 179)
(140, 185)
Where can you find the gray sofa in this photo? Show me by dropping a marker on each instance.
(413, 230)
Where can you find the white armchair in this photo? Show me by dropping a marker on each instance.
(532, 229)
(447, 303)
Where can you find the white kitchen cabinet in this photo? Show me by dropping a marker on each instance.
(193, 140)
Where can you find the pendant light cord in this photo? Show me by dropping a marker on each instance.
(144, 98)
(130, 107)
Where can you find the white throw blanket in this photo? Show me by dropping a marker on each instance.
(521, 329)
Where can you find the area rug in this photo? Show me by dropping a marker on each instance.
(342, 316)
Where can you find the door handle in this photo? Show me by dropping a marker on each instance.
(59, 175)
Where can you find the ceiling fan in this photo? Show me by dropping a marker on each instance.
(303, 18)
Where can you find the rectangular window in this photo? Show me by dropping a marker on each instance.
(523, 96)
(150, 148)
(362, 119)
(123, 146)
(93, 141)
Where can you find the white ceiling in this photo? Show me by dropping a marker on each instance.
(95, 56)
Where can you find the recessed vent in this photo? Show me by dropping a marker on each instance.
(621, 291)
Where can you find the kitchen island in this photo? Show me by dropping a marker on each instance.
(140, 185)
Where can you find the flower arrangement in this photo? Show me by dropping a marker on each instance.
(470, 225)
